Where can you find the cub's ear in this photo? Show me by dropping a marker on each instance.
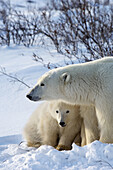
(65, 77)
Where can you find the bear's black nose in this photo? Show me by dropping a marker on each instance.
(29, 97)
(62, 124)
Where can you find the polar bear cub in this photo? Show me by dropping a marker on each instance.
(53, 123)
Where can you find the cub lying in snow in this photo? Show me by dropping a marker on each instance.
(54, 123)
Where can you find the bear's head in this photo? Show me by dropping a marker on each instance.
(61, 112)
(53, 85)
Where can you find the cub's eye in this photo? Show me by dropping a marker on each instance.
(42, 84)
(67, 111)
(57, 111)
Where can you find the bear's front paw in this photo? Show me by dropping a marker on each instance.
(63, 147)
(35, 145)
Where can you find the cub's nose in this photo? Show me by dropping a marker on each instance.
(62, 124)
(29, 97)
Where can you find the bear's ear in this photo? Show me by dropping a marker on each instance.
(65, 77)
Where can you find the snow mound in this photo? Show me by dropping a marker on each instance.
(18, 156)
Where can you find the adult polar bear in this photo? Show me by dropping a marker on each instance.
(83, 84)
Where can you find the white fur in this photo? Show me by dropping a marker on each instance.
(89, 84)
(89, 129)
(43, 126)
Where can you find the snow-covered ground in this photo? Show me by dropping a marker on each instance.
(15, 110)
(95, 156)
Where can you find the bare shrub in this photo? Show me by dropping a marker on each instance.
(4, 22)
(79, 29)
(18, 27)
(83, 27)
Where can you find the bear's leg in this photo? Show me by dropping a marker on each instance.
(68, 135)
(91, 132)
(91, 135)
(65, 141)
(88, 114)
(104, 113)
(83, 135)
(77, 140)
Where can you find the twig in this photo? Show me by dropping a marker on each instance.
(13, 77)
(48, 65)
(103, 161)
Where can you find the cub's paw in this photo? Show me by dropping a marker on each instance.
(63, 147)
(35, 145)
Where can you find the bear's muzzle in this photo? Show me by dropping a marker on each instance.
(35, 98)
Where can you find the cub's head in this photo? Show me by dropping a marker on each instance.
(61, 112)
(52, 85)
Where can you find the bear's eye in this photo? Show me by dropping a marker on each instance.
(57, 111)
(42, 84)
(67, 111)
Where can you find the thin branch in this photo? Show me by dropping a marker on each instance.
(103, 161)
(48, 65)
(3, 71)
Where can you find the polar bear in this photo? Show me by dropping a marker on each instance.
(87, 84)
(54, 123)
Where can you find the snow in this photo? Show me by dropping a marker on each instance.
(94, 156)
(15, 110)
